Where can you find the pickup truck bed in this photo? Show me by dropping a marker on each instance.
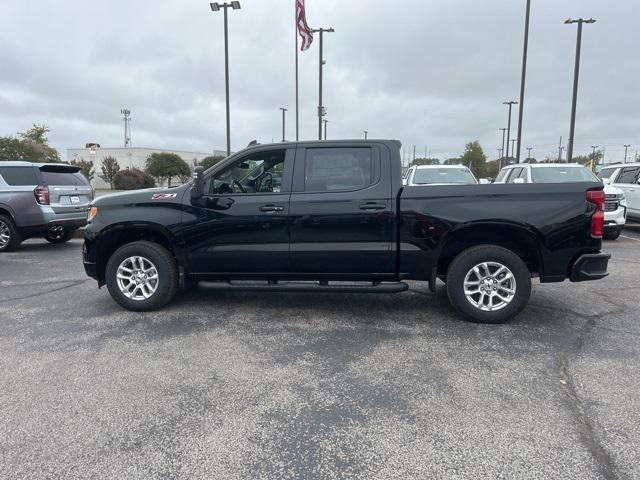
(323, 212)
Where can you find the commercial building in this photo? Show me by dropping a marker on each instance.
(129, 157)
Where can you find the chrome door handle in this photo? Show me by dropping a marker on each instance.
(271, 208)
(372, 206)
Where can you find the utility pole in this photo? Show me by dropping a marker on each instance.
(215, 7)
(576, 74)
(593, 154)
(127, 126)
(504, 132)
(513, 141)
(522, 78)
(511, 103)
(529, 150)
(284, 110)
(625, 152)
(321, 110)
(560, 150)
(325, 128)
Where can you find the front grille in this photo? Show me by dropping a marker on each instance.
(610, 206)
(611, 196)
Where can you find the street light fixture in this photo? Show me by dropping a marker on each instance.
(511, 103)
(283, 120)
(321, 110)
(215, 7)
(576, 74)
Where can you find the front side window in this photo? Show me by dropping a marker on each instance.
(629, 175)
(562, 175)
(336, 169)
(19, 176)
(258, 173)
(515, 173)
(425, 176)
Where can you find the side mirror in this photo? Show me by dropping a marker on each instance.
(606, 181)
(638, 181)
(518, 180)
(197, 191)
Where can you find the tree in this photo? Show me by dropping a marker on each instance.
(86, 167)
(453, 161)
(426, 161)
(166, 165)
(210, 161)
(132, 179)
(474, 158)
(31, 146)
(110, 168)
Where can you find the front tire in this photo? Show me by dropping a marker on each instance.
(9, 236)
(488, 284)
(612, 234)
(142, 276)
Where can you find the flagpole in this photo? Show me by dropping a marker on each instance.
(295, 14)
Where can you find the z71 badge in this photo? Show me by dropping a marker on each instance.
(163, 196)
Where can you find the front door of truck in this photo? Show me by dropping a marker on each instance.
(241, 223)
(342, 215)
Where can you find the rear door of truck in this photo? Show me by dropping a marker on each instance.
(342, 210)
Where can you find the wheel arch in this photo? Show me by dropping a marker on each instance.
(117, 235)
(523, 241)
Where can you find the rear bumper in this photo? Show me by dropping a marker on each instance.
(591, 266)
(43, 229)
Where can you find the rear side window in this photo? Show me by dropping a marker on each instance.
(335, 169)
(64, 179)
(19, 176)
(515, 173)
(628, 175)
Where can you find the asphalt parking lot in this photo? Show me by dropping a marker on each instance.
(266, 385)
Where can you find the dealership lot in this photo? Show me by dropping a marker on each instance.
(266, 385)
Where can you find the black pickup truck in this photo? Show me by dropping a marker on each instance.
(334, 216)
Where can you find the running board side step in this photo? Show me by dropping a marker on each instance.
(322, 286)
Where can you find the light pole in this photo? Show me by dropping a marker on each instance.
(511, 103)
(513, 141)
(321, 109)
(284, 110)
(215, 7)
(529, 152)
(522, 78)
(325, 128)
(414, 153)
(366, 133)
(625, 152)
(576, 74)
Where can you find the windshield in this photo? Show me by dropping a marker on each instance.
(606, 173)
(562, 175)
(424, 176)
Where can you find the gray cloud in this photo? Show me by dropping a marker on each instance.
(430, 73)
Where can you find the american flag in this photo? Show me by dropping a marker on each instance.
(303, 28)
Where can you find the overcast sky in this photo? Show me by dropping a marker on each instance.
(431, 73)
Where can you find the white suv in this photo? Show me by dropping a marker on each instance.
(626, 177)
(615, 208)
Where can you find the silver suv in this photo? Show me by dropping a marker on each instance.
(47, 200)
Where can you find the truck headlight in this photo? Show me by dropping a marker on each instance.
(93, 211)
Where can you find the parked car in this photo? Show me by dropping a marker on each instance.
(47, 200)
(439, 175)
(615, 209)
(626, 177)
(340, 214)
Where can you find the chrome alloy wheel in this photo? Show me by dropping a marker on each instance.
(5, 234)
(489, 286)
(137, 278)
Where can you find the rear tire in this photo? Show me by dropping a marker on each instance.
(142, 276)
(488, 284)
(10, 238)
(612, 234)
(63, 237)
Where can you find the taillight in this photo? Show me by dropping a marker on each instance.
(42, 194)
(597, 220)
